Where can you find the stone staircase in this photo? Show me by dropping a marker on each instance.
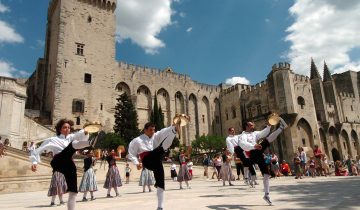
(16, 174)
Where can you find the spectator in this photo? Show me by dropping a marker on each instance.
(339, 170)
(348, 164)
(303, 159)
(354, 170)
(7, 143)
(275, 164)
(285, 169)
(312, 167)
(318, 156)
(297, 165)
(206, 166)
(326, 166)
(31, 147)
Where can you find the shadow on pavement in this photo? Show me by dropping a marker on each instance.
(342, 193)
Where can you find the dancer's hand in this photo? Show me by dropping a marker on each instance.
(139, 166)
(258, 146)
(34, 168)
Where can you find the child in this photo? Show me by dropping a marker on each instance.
(190, 165)
(173, 172)
(127, 173)
(312, 167)
(297, 166)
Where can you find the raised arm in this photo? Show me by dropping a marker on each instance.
(35, 154)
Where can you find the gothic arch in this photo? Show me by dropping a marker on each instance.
(305, 134)
(324, 142)
(355, 142)
(336, 155)
(143, 104)
(204, 112)
(346, 144)
(122, 87)
(193, 113)
(217, 118)
(179, 103)
(334, 140)
(163, 98)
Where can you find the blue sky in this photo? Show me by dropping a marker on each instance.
(209, 40)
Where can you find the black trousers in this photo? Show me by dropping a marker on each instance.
(239, 167)
(246, 161)
(153, 162)
(257, 156)
(64, 164)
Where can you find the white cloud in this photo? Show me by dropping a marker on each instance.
(182, 14)
(8, 34)
(3, 8)
(189, 29)
(267, 20)
(324, 30)
(142, 21)
(8, 70)
(237, 80)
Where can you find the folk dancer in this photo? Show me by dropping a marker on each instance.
(248, 142)
(151, 147)
(88, 181)
(63, 146)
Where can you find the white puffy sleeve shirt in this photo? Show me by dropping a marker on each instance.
(56, 144)
(247, 140)
(144, 144)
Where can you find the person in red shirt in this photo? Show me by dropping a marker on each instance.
(318, 162)
(285, 169)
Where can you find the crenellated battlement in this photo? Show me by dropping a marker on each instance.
(168, 73)
(346, 95)
(301, 78)
(108, 5)
(235, 88)
(257, 87)
(281, 66)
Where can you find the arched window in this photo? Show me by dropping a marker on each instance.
(301, 102)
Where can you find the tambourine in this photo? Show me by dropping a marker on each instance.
(274, 119)
(92, 127)
(184, 119)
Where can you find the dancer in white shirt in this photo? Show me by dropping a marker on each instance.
(150, 147)
(63, 146)
(248, 141)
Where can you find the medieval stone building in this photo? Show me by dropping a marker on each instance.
(80, 79)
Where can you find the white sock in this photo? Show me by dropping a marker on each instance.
(53, 198)
(187, 183)
(246, 172)
(109, 190)
(266, 184)
(61, 198)
(144, 188)
(85, 193)
(160, 197)
(92, 194)
(274, 135)
(116, 191)
(80, 144)
(71, 201)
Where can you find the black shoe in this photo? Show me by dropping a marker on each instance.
(84, 199)
(52, 204)
(62, 203)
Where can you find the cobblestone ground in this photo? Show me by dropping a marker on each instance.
(286, 193)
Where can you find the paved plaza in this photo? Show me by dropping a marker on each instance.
(286, 193)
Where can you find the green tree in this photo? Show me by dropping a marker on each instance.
(208, 144)
(110, 141)
(126, 119)
(157, 117)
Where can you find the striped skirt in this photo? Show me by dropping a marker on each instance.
(146, 177)
(58, 184)
(184, 174)
(113, 178)
(88, 181)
